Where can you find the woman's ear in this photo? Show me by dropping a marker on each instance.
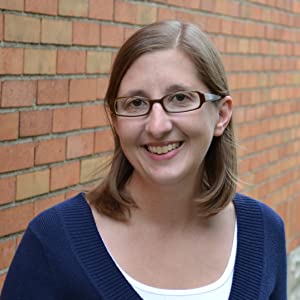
(225, 114)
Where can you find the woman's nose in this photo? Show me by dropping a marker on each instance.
(158, 122)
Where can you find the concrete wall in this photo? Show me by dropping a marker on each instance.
(294, 274)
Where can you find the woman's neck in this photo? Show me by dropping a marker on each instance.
(166, 206)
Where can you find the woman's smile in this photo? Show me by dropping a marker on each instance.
(163, 149)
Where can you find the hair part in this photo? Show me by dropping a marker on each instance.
(217, 186)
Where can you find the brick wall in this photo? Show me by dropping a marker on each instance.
(55, 57)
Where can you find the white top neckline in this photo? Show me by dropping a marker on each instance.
(227, 274)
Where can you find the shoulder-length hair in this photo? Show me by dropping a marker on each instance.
(217, 185)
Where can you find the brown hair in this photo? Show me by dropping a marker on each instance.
(218, 184)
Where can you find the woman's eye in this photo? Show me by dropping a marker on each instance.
(180, 97)
(135, 103)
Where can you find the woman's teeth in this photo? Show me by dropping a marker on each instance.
(164, 149)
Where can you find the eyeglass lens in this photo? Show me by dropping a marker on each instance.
(176, 102)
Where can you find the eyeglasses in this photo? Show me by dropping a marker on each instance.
(179, 102)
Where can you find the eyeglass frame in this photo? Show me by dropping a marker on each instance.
(204, 97)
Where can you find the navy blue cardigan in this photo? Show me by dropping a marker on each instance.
(62, 257)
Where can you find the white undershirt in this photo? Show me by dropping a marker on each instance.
(218, 290)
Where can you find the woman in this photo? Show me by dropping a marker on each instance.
(166, 223)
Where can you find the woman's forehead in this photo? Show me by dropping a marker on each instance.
(161, 71)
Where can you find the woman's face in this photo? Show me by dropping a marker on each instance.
(166, 148)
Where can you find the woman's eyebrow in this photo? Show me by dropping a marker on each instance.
(177, 87)
(137, 92)
(170, 89)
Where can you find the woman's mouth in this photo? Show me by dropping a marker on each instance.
(163, 149)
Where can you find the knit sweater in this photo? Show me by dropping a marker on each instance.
(63, 257)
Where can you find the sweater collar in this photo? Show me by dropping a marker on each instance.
(249, 264)
(98, 265)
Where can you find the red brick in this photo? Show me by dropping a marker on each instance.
(73, 192)
(11, 61)
(12, 4)
(185, 4)
(296, 7)
(22, 29)
(35, 122)
(94, 168)
(41, 6)
(297, 49)
(2, 279)
(219, 42)
(0, 92)
(101, 9)
(7, 189)
(181, 3)
(83, 90)
(50, 151)
(239, 115)
(78, 8)
(146, 14)
(66, 119)
(244, 45)
(234, 9)
(32, 184)
(93, 116)
(208, 5)
(40, 61)
(45, 203)
(221, 7)
(65, 175)
(264, 47)
(56, 32)
(71, 61)
(192, 4)
(129, 32)
(9, 126)
(231, 45)
(85, 33)
(98, 61)
(255, 48)
(166, 14)
(53, 91)
(103, 141)
(16, 157)
(296, 221)
(226, 26)
(187, 17)
(15, 219)
(1, 28)
(112, 35)
(213, 24)
(102, 84)
(125, 12)
(17, 93)
(7, 251)
(19, 238)
(238, 27)
(80, 145)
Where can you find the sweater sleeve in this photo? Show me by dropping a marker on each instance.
(280, 290)
(30, 275)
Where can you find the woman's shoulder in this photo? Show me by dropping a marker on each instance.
(56, 216)
(255, 210)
